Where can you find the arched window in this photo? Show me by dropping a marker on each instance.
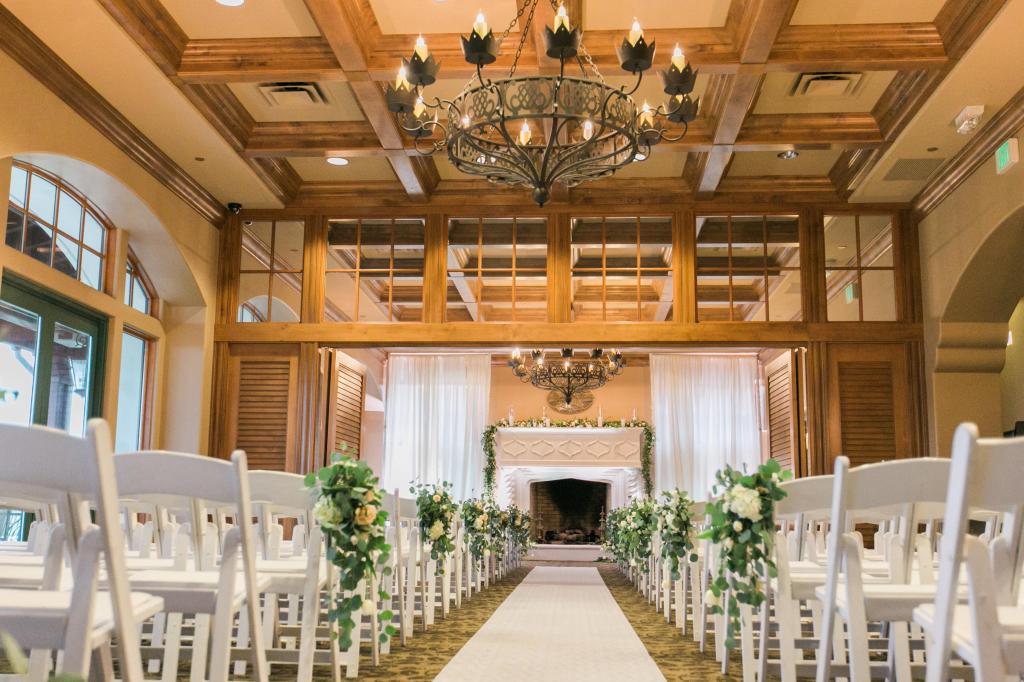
(52, 222)
(138, 292)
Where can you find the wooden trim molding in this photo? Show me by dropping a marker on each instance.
(45, 66)
(978, 151)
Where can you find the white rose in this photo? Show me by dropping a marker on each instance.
(479, 523)
(737, 526)
(727, 543)
(745, 502)
(711, 599)
(437, 498)
(326, 513)
(483, 518)
(369, 607)
(437, 530)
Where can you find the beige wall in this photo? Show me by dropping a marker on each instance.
(1012, 377)
(631, 389)
(969, 292)
(177, 248)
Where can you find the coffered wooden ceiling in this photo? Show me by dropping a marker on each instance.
(836, 81)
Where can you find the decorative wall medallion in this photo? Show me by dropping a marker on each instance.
(580, 402)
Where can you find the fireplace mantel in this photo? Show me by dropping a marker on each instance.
(569, 446)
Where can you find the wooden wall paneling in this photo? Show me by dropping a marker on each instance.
(228, 265)
(307, 412)
(261, 407)
(870, 415)
(919, 398)
(559, 263)
(906, 256)
(781, 393)
(816, 391)
(684, 267)
(435, 268)
(314, 263)
(812, 266)
(220, 392)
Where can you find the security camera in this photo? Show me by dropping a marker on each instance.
(235, 207)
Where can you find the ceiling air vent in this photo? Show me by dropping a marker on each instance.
(293, 94)
(912, 169)
(827, 84)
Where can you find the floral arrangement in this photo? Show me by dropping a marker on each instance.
(491, 432)
(519, 530)
(436, 510)
(743, 529)
(348, 508)
(675, 524)
(497, 528)
(477, 520)
(628, 532)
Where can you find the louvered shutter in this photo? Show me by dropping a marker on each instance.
(779, 377)
(261, 411)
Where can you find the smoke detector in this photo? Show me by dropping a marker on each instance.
(968, 119)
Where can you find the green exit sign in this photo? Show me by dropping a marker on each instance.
(1006, 155)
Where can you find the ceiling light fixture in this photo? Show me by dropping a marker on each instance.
(337, 160)
(968, 119)
(231, 3)
(570, 377)
(535, 131)
(788, 155)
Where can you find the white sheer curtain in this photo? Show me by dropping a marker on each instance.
(705, 410)
(435, 415)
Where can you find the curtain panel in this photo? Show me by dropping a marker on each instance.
(436, 409)
(705, 415)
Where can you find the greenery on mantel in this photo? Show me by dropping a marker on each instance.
(491, 432)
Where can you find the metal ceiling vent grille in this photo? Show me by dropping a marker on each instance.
(827, 84)
(912, 169)
(293, 95)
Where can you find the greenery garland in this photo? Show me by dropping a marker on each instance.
(436, 510)
(743, 530)
(491, 432)
(348, 508)
(675, 523)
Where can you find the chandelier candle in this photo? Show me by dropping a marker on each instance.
(589, 129)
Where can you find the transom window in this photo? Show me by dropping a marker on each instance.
(270, 279)
(53, 223)
(137, 291)
(860, 274)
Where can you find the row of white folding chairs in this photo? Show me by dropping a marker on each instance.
(223, 592)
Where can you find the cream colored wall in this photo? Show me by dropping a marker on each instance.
(964, 357)
(617, 399)
(177, 247)
(1012, 377)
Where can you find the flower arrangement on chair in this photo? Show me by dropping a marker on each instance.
(436, 510)
(743, 529)
(348, 508)
(628, 532)
(676, 529)
(519, 530)
(476, 518)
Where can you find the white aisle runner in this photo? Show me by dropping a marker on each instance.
(560, 623)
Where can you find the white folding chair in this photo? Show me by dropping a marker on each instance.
(888, 489)
(214, 595)
(988, 631)
(82, 620)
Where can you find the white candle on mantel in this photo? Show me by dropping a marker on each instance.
(600, 416)
(511, 415)
(634, 414)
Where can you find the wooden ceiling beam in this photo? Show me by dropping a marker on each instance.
(340, 23)
(959, 24)
(33, 55)
(156, 32)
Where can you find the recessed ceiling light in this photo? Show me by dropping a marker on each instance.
(231, 3)
(788, 155)
(337, 160)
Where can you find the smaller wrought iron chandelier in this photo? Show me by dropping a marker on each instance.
(534, 131)
(569, 376)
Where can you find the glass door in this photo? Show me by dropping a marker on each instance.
(51, 355)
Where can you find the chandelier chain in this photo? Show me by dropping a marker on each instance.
(525, 28)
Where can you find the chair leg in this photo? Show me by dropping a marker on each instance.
(156, 640)
(243, 641)
(102, 667)
(200, 646)
(899, 651)
(172, 648)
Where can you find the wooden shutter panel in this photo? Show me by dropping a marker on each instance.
(781, 409)
(348, 410)
(261, 411)
(868, 410)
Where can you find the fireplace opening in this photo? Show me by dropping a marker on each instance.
(568, 511)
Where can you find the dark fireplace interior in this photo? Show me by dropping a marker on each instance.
(568, 511)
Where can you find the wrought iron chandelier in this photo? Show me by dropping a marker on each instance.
(534, 131)
(568, 376)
